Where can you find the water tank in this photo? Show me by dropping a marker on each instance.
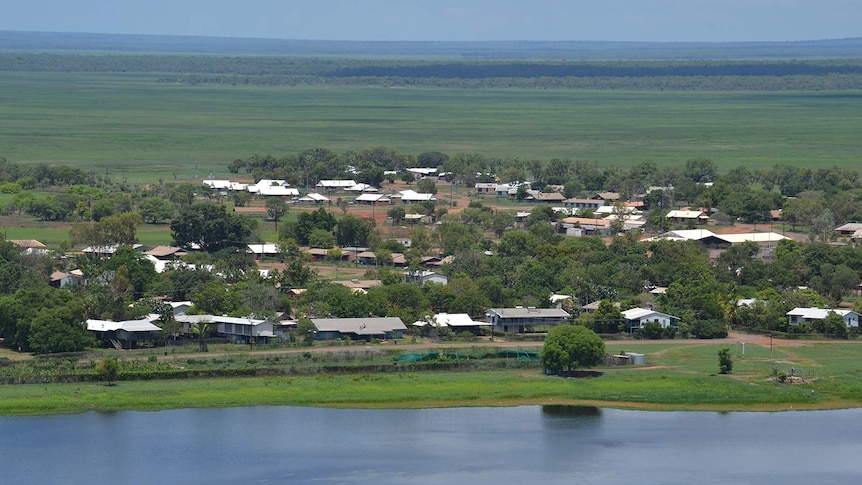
(636, 359)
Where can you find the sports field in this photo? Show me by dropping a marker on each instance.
(133, 126)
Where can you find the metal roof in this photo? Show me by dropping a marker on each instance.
(359, 326)
(530, 312)
(816, 313)
(143, 325)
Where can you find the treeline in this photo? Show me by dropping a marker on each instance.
(601, 50)
(484, 70)
(843, 74)
(14, 177)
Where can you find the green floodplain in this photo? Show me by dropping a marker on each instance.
(136, 127)
(679, 375)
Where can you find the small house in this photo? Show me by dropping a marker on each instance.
(638, 317)
(809, 315)
(526, 319)
(126, 334)
(383, 328)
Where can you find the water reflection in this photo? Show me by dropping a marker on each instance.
(547, 444)
(571, 412)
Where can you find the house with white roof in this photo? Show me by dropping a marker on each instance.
(371, 199)
(762, 239)
(239, 329)
(124, 334)
(335, 184)
(638, 317)
(217, 184)
(362, 188)
(686, 216)
(313, 198)
(801, 315)
(262, 250)
(410, 197)
(457, 322)
(423, 172)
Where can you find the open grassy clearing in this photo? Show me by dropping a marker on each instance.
(678, 376)
(133, 127)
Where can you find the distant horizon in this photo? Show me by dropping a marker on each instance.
(297, 39)
(664, 21)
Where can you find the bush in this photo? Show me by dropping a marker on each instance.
(108, 370)
(725, 362)
(709, 329)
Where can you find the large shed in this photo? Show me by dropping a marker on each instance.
(359, 328)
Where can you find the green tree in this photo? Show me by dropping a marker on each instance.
(59, 330)
(833, 325)
(320, 238)
(211, 227)
(307, 222)
(276, 208)
(108, 369)
(155, 209)
(306, 331)
(607, 318)
(397, 214)
(353, 230)
(427, 186)
(241, 198)
(202, 329)
(725, 362)
(569, 347)
(182, 195)
(215, 298)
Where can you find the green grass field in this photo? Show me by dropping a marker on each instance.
(679, 376)
(132, 126)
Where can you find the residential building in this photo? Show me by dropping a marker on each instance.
(383, 328)
(312, 198)
(240, 330)
(638, 317)
(457, 322)
(486, 188)
(801, 315)
(688, 216)
(591, 204)
(526, 319)
(335, 184)
(124, 334)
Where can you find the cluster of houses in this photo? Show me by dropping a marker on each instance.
(360, 193)
(133, 333)
(247, 330)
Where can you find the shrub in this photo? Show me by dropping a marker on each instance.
(709, 329)
(725, 362)
(108, 370)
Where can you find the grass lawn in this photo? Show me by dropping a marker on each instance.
(679, 376)
(131, 126)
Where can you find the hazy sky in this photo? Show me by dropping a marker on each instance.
(627, 20)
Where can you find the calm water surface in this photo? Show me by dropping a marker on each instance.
(522, 445)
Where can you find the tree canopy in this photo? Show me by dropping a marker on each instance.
(569, 347)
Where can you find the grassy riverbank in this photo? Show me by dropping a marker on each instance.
(678, 377)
